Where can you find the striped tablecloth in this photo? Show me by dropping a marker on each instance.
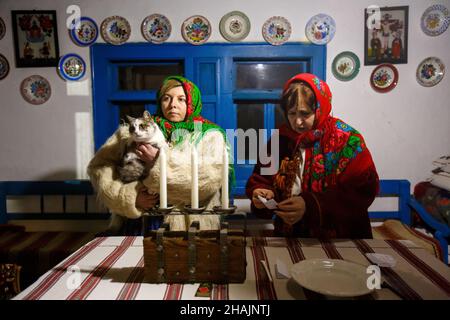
(112, 268)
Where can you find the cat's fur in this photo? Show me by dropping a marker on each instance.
(142, 130)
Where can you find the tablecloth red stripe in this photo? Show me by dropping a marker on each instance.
(133, 282)
(392, 277)
(424, 268)
(264, 287)
(92, 280)
(49, 281)
(219, 292)
(173, 292)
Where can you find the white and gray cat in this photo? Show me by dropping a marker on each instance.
(142, 130)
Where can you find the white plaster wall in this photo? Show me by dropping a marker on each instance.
(405, 129)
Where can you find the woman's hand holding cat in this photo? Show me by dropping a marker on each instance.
(265, 193)
(145, 200)
(147, 152)
(291, 210)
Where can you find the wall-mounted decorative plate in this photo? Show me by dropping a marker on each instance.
(71, 67)
(320, 29)
(35, 89)
(435, 20)
(276, 30)
(85, 33)
(345, 66)
(384, 78)
(2, 28)
(196, 30)
(430, 72)
(4, 67)
(234, 26)
(115, 30)
(156, 28)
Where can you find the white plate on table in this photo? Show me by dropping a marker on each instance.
(332, 277)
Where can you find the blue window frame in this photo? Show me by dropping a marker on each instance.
(215, 68)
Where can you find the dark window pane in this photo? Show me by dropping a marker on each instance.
(266, 75)
(249, 116)
(147, 77)
(133, 109)
(280, 118)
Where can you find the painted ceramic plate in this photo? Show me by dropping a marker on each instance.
(2, 28)
(320, 29)
(276, 30)
(384, 77)
(430, 72)
(85, 33)
(35, 89)
(345, 66)
(196, 30)
(156, 28)
(332, 277)
(435, 20)
(4, 67)
(71, 67)
(234, 26)
(115, 30)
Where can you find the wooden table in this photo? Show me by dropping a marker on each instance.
(111, 268)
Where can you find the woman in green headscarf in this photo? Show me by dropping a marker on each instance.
(178, 116)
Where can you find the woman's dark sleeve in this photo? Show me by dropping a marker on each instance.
(341, 211)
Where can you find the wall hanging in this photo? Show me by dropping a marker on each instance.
(85, 33)
(71, 67)
(345, 66)
(234, 26)
(320, 29)
(430, 72)
(196, 30)
(387, 42)
(276, 30)
(435, 20)
(115, 30)
(35, 38)
(2, 28)
(384, 78)
(35, 89)
(4, 67)
(156, 28)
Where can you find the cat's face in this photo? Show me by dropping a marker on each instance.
(142, 129)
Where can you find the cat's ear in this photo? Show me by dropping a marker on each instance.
(146, 115)
(130, 119)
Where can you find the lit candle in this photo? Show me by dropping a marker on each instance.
(225, 179)
(163, 178)
(194, 175)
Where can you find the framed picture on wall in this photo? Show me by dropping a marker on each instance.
(35, 38)
(386, 35)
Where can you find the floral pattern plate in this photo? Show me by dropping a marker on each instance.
(435, 20)
(35, 89)
(196, 30)
(71, 67)
(156, 28)
(115, 30)
(384, 78)
(345, 66)
(320, 29)
(430, 72)
(2, 28)
(84, 34)
(234, 26)
(276, 30)
(4, 67)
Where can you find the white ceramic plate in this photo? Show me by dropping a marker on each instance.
(156, 28)
(332, 277)
(35, 89)
(115, 30)
(71, 67)
(276, 30)
(430, 72)
(320, 29)
(85, 33)
(435, 20)
(234, 26)
(196, 30)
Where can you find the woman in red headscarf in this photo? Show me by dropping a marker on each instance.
(326, 180)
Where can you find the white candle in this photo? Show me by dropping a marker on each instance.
(163, 179)
(194, 176)
(225, 179)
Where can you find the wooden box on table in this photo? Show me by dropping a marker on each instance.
(216, 256)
